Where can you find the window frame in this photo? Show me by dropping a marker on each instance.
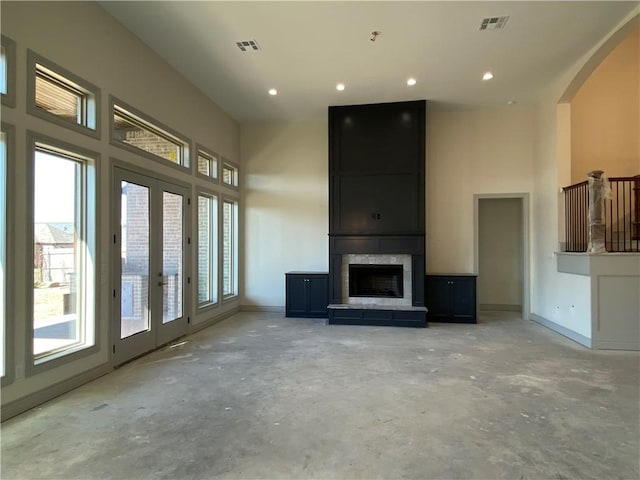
(236, 169)
(9, 349)
(9, 98)
(208, 153)
(91, 193)
(154, 126)
(235, 242)
(70, 81)
(215, 246)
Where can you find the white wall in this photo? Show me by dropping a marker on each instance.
(286, 203)
(561, 298)
(471, 152)
(500, 252)
(84, 39)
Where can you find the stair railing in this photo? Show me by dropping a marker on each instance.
(622, 215)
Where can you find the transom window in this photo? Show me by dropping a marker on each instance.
(57, 95)
(8, 71)
(229, 174)
(207, 164)
(4, 80)
(62, 99)
(132, 129)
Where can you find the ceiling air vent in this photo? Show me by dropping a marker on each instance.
(493, 23)
(248, 45)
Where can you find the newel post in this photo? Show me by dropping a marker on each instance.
(596, 212)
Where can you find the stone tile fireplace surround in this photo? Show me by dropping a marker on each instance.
(407, 251)
(377, 259)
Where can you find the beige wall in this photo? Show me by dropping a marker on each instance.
(471, 152)
(84, 39)
(605, 115)
(500, 250)
(286, 190)
(286, 205)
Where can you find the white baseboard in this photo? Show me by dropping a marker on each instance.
(500, 307)
(565, 332)
(209, 323)
(261, 308)
(32, 400)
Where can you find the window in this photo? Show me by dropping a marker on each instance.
(207, 164)
(3, 71)
(229, 248)
(130, 128)
(3, 249)
(61, 97)
(207, 249)
(8, 72)
(229, 174)
(7, 156)
(63, 251)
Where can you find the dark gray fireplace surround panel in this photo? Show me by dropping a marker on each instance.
(412, 245)
(377, 201)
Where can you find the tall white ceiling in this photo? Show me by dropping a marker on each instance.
(308, 47)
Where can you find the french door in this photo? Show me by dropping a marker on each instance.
(150, 247)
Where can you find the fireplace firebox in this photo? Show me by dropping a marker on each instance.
(376, 281)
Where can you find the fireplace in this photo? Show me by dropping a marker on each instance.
(377, 214)
(375, 281)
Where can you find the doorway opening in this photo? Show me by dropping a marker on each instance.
(502, 252)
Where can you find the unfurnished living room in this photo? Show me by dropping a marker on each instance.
(317, 239)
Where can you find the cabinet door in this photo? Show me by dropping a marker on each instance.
(463, 299)
(317, 289)
(296, 295)
(437, 297)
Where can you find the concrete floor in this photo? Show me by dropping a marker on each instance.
(260, 396)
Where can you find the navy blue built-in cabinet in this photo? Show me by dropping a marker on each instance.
(307, 294)
(451, 298)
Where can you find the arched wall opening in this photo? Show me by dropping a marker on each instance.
(598, 115)
(599, 112)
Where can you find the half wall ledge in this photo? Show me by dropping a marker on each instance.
(612, 295)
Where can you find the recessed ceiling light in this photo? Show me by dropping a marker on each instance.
(487, 76)
(411, 82)
(340, 87)
(273, 91)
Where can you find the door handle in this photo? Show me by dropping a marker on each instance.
(162, 284)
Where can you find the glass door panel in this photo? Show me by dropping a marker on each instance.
(172, 255)
(135, 315)
(150, 237)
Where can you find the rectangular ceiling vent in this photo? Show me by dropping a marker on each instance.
(248, 45)
(493, 23)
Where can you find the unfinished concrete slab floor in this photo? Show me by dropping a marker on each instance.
(261, 396)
